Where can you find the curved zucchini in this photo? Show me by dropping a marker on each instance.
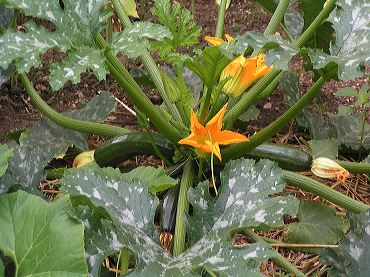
(286, 156)
(119, 149)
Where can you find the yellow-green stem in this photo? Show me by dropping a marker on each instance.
(326, 192)
(65, 121)
(124, 261)
(221, 19)
(150, 65)
(182, 209)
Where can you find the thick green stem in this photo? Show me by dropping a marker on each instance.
(182, 209)
(221, 19)
(355, 167)
(278, 258)
(149, 64)
(324, 191)
(238, 150)
(254, 92)
(124, 261)
(139, 98)
(65, 121)
(274, 22)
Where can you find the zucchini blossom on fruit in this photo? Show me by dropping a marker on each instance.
(206, 139)
(242, 71)
(83, 159)
(326, 168)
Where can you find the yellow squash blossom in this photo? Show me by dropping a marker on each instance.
(326, 168)
(83, 159)
(207, 138)
(243, 71)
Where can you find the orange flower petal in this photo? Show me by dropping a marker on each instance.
(229, 137)
(214, 41)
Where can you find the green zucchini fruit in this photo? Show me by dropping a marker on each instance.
(119, 149)
(286, 156)
(169, 207)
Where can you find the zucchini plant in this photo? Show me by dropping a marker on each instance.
(179, 220)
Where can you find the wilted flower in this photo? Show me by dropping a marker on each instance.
(83, 159)
(208, 138)
(326, 168)
(218, 41)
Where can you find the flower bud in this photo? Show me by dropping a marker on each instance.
(83, 159)
(326, 168)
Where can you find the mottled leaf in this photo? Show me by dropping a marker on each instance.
(76, 27)
(26, 169)
(133, 41)
(2, 269)
(327, 148)
(245, 186)
(353, 255)
(192, 81)
(6, 73)
(131, 227)
(6, 17)
(352, 41)
(40, 237)
(294, 22)
(318, 224)
(280, 51)
(208, 66)
(5, 155)
(348, 91)
(54, 140)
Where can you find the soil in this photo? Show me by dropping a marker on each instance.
(18, 112)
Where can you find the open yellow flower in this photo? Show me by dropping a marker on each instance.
(207, 138)
(243, 71)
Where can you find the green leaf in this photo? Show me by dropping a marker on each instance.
(2, 269)
(294, 22)
(5, 155)
(25, 169)
(157, 178)
(353, 255)
(6, 17)
(131, 225)
(318, 224)
(192, 81)
(280, 51)
(351, 48)
(6, 73)
(251, 114)
(76, 27)
(327, 148)
(292, 93)
(245, 186)
(133, 41)
(208, 66)
(130, 7)
(348, 91)
(345, 110)
(323, 36)
(54, 139)
(40, 237)
(110, 189)
(141, 77)
(181, 24)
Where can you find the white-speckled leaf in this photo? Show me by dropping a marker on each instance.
(243, 199)
(353, 255)
(25, 170)
(214, 251)
(76, 27)
(5, 155)
(280, 51)
(128, 202)
(54, 140)
(6, 17)
(133, 41)
(40, 237)
(351, 23)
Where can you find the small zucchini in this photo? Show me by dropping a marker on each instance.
(286, 156)
(119, 149)
(168, 217)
